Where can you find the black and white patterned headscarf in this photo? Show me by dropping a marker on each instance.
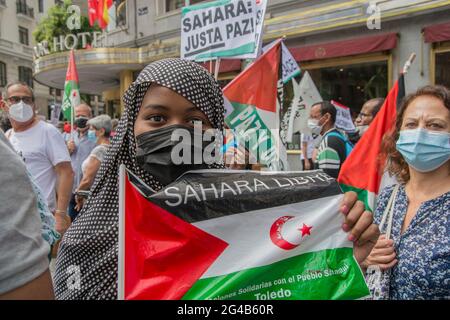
(87, 258)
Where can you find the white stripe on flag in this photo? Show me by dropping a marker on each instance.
(248, 235)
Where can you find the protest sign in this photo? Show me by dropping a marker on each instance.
(260, 13)
(223, 28)
(223, 234)
(343, 117)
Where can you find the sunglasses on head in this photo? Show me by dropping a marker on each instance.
(16, 99)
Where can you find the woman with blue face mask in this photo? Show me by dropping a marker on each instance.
(416, 258)
(99, 132)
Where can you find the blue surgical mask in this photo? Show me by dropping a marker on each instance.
(91, 136)
(424, 150)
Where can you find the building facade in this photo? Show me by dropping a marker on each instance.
(18, 19)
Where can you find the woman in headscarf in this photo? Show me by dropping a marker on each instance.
(168, 94)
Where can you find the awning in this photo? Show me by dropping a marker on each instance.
(226, 65)
(345, 48)
(437, 32)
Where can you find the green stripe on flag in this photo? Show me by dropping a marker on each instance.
(363, 195)
(246, 48)
(199, 6)
(325, 274)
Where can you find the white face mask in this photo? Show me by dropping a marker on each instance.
(362, 129)
(21, 112)
(314, 126)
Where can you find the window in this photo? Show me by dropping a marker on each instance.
(172, 5)
(441, 65)
(26, 75)
(117, 15)
(3, 79)
(41, 6)
(59, 3)
(23, 36)
(351, 80)
(23, 8)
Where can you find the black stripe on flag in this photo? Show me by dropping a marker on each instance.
(208, 194)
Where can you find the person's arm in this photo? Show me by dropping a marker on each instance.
(90, 171)
(71, 146)
(23, 251)
(65, 176)
(40, 288)
(305, 156)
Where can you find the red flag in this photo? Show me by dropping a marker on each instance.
(257, 85)
(102, 12)
(164, 255)
(92, 11)
(361, 171)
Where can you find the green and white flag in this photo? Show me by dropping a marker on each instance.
(71, 89)
(223, 234)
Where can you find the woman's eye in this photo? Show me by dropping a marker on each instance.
(410, 125)
(156, 118)
(435, 126)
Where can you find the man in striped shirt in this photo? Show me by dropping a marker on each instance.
(334, 146)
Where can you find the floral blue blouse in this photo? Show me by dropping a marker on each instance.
(423, 250)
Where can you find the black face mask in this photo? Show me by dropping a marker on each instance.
(154, 153)
(81, 122)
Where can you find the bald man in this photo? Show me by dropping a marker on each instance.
(368, 112)
(79, 148)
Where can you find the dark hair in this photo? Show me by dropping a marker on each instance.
(327, 107)
(5, 124)
(21, 83)
(396, 164)
(377, 106)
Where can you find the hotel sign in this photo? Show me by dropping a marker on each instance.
(71, 41)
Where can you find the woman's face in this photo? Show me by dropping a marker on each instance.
(98, 133)
(426, 112)
(163, 107)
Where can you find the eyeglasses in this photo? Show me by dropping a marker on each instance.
(362, 114)
(16, 99)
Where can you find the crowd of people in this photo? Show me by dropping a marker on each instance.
(60, 189)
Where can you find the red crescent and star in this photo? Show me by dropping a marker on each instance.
(277, 238)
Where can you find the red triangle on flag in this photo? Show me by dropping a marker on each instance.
(164, 255)
(72, 74)
(257, 85)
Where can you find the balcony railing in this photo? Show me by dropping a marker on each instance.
(23, 8)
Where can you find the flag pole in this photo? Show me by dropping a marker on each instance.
(217, 67)
(72, 110)
(121, 253)
(408, 63)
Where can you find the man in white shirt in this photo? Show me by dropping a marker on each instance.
(307, 149)
(42, 148)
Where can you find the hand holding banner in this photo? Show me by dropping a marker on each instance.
(222, 234)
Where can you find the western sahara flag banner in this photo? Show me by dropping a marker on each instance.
(362, 172)
(255, 96)
(222, 234)
(71, 89)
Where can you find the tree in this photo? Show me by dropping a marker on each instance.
(55, 25)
